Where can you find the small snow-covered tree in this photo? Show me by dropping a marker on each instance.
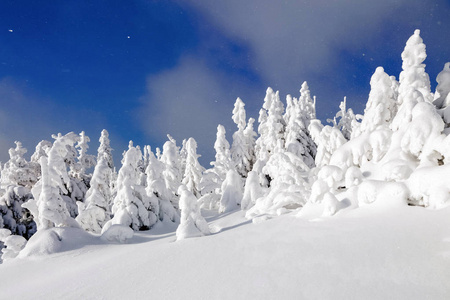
(193, 172)
(344, 120)
(192, 224)
(328, 139)
(132, 207)
(252, 191)
(231, 192)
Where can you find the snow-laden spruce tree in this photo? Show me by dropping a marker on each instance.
(183, 156)
(105, 150)
(96, 209)
(212, 178)
(192, 224)
(297, 137)
(132, 207)
(414, 81)
(48, 207)
(17, 171)
(327, 139)
(250, 142)
(381, 107)
(239, 151)
(344, 120)
(288, 186)
(231, 192)
(17, 177)
(156, 187)
(252, 191)
(85, 161)
(193, 172)
(41, 150)
(271, 132)
(442, 95)
(172, 174)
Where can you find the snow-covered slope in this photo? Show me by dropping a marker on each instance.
(368, 253)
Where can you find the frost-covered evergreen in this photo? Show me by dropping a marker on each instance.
(132, 207)
(298, 117)
(172, 174)
(156, 187)
(193, 172)
(17, 177)
(48, 207)
(239, 151)
(96, 209)
(382, 104)
(442, 95)
(192, 224)
(414, 81)
(212, 178)
(231, 192)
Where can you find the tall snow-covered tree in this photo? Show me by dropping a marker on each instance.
(250, 143)
(105, 150)
(193, 172)
(297, 138)
(442, 94)
(17, 177)
(239, 150)
(382, 104)
(156, 187)
(172, 174)
(96, 209)
(48, 207)
(212, 178)
(132, 207)
(414, 81)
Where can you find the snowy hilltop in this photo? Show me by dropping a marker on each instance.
(288, 203)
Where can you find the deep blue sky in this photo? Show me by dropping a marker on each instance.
(142, 69)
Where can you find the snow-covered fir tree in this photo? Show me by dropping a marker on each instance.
(48, 207)
(382, 104)
(156, 187)
(96, 209)
(172, 174)
(193, 171)
(414, 81)
(132, 207)
(239, 151)
(192, 224)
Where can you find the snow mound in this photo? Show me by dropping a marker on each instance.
(382, 194)
(56, 240)
(117, 233)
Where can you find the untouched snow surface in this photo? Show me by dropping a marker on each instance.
(365, 253)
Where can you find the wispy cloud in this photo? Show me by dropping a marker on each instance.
(189, 100)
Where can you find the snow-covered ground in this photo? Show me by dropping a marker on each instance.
(365, 253)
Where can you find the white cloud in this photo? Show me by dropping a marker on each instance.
(189, 100)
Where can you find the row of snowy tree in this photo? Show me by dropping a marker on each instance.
(292, 161)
